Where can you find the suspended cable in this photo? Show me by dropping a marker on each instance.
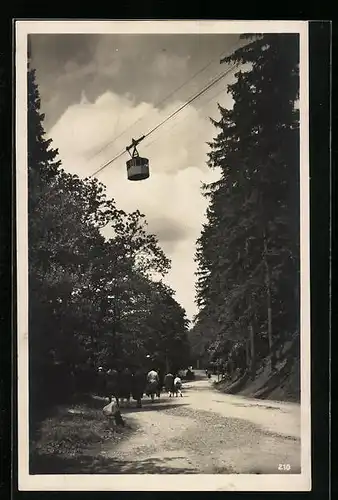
(193, 98)
(201, 92)
(157, 105)
(176, 124)
(187, 116)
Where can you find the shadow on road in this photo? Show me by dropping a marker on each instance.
(148, 406)
(101, 465)
(87, 464)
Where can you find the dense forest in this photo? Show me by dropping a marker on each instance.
(248, 259)
(93, 301)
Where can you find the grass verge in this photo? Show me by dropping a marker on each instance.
(72, 437)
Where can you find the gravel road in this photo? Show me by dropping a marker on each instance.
(206, 432)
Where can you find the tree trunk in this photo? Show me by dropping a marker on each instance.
(231, 368)
(247, 352)
(92, 352)
(253, 352)
(252, 364)
(115, 323)
(268, 304)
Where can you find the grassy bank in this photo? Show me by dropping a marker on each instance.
(282, 385)
(70, 440)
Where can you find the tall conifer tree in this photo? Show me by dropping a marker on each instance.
(248, 252)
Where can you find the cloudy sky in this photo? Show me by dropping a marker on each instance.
(100, 91)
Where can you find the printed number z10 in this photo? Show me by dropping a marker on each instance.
(284, 467)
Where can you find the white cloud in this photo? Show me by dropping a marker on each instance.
(177, 154)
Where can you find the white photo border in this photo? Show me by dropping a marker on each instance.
(153, 482)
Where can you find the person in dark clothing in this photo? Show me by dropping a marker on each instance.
(169, 383)
(138, 385)
(160, 382)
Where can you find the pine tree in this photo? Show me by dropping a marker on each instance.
(248, 253)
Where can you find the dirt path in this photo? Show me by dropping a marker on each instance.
(208, 432)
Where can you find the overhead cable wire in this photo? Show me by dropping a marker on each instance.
(174, 113)
(180, 122)
(201, 92)
(158, 104)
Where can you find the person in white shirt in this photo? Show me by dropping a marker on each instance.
(152, 376)
(177, 386)
(112, 410)
(153, 381)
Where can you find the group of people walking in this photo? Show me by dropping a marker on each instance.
(126, 384)
(173, 385)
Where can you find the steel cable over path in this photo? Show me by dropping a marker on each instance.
(174, 113)
(159, 103)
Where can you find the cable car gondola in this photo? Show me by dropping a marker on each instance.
(137, 167)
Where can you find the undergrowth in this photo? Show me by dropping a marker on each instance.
(71, 432)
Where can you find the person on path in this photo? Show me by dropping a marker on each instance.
(160, 382)
(178, 386)
(138, 385)
(152, 384)
(112, 410)
(169, 384)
